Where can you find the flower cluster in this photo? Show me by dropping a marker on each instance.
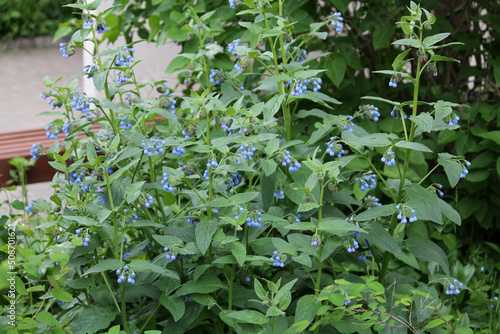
(233, 4)
(334, 148)
(346, 124)
(254, 219)
(179, 150)
(451, 119)
(124, 57)
(217, 76)
(234, 180)
(368, 180)
(29, 209)
(465, 171)
(337, 21)
(454, 287)
(86, 240)
(279, 194)
(316, 240)
(148, 201)
(293, 165)
(166, 99)
(301, 53)
(232, 45)
(371, 201)
(247, 150)
(171, 253)
(406, 214)
(168, 186)
(301, 86)
(396, 113)
(369, 111)
(396, 78)
(352, 244)
(278, 259)
(101, 27)
(81, 102)
(192, 219)
(154, 147)
(66, 49)
(388, 157)
(126, 275)
(36, 151)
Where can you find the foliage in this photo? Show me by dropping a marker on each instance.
(31, 18)
(256, 202)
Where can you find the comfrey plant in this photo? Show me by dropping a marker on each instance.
(171, 211)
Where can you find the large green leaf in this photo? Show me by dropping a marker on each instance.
(92, 319)
(426, 250)
(378, 236)
(204, 232)
(175, 305)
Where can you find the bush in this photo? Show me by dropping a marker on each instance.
(31, 18)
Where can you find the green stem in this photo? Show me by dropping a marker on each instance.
(124, 309)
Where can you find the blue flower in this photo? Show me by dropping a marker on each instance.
(337, 21)
(406, 214)
(389, 158)
(334, 148)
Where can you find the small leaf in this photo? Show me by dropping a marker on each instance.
(243, 197)
(431, 40)
(248, 316)
(61, 295)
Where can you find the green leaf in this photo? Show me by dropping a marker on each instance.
(338, 227)
(376, 98)
(371, 140)
(61, 258)
(413, 146)
(322, 130)
(168, 240)
(376, 212)
(306, 309)
(47, 318)
(336, 70)
(443, 58)
(105, 265)
(269, 166)
(431, 40)
(204, 233)
(272, 106)
(408, 42)
(61, 295)
(180, 62)
(378, 236)
(248, 316)
(175, 305)
(243, 198)
(284, 246)
(449, 212)
(426, 250)
(272, 146)
(424, 121)
(133, 191)
(397, 62)
(82, 220)
(304, 207)
(382, 34)
(142, 266)
(92, 319)
(99, 80)
(240, 252)
(91, 154)
(452, 168)
(206, 284)
(424, 202)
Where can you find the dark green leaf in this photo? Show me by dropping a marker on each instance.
(427, 250)
(204, 232)
(378, 236)
(175, 305)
